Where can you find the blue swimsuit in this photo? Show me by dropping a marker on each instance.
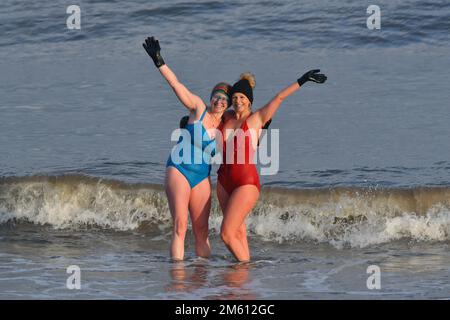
(196, 171)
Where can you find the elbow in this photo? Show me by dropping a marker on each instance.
(173, 84)
(279, 97)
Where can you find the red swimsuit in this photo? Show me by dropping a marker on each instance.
(233, 175)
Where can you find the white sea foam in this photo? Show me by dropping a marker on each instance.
(71, 202)
(341, 217)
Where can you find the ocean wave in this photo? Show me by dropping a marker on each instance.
(342, 217)
(290, 24)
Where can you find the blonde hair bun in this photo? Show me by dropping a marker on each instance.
(249, 77)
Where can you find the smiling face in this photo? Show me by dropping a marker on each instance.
(240, 102)
(219, 102)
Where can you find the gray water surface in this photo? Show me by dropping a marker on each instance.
(91, 102)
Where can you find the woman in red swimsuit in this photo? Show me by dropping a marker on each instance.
(238, 184)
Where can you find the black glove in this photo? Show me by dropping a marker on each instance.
(151, 45)
(312, 75)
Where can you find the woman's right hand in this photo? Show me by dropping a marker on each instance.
(153, 49)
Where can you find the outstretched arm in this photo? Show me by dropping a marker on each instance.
(188, 99)
(266, 113)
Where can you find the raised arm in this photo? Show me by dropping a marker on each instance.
(188, 99)
(266, 113)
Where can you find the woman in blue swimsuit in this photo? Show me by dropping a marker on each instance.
(187, 183)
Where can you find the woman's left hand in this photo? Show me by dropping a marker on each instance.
(313, 76)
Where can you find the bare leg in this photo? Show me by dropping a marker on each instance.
(242, 236)
(239, 205)
(178, 192)
(200, 207)
(223, 197)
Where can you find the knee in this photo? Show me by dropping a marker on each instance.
(241, 234)
(227, 236)
(180, 227)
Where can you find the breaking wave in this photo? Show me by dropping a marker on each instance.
(343, 217)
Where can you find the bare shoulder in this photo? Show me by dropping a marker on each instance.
(254, 120)
(196, 113)
(198, 103)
